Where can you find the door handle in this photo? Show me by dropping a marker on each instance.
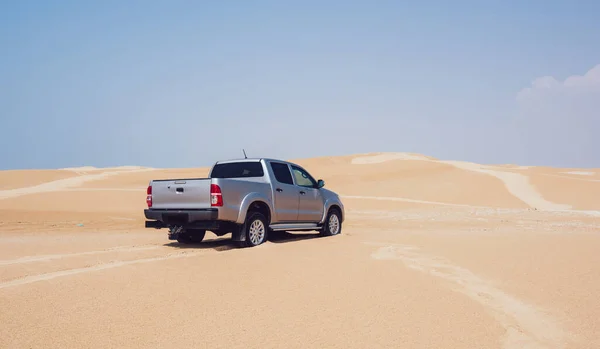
(302, 192)
(279, 190)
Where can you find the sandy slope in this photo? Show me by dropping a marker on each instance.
(434, 254)
(15, 179)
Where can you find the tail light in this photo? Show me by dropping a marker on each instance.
(216, 197)
(149, 196)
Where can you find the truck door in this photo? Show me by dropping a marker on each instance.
(311, 201)
(285, 194)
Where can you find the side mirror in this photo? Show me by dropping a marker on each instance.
(320, 183)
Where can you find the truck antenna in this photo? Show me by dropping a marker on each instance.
(245, 157)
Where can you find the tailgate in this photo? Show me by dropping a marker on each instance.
(181, 194)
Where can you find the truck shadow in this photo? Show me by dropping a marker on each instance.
(280, 237)
(220, 244)
(225, 243)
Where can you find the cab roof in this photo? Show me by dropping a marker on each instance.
(249, 160)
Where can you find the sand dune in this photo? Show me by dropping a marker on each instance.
(92, 168)
(379, 158)
(434, 253)
(517, 184)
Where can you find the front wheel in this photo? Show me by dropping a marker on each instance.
(255, 229)
(333, 224)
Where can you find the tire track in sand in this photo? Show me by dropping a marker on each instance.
(49, 276)
(526, 326)
(41, 258)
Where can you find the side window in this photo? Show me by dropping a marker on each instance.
(282, 173)
(302, 178)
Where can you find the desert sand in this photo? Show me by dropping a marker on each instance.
(433, 254)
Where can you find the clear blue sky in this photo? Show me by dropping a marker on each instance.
(185, 83)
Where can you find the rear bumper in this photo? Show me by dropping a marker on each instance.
(202, 218)
(205, 214)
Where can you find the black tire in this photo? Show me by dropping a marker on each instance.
(330, 230)
(257, 223)
(191, 236)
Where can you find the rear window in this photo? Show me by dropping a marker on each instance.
(237, 170)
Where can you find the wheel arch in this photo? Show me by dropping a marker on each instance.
(262, 207)
(333, 204)
(257, 202)
(337, 208)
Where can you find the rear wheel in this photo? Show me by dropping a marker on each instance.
(255, 229)
(333, 223)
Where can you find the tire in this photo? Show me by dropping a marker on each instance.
(255, 229)
(191, 236)
(333, 223)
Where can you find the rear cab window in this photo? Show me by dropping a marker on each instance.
(244, 169)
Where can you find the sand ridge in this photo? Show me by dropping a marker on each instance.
(517, 184)
(380, 158)
(117, 168)
(580, 173)
(62, 184)
(572, 178)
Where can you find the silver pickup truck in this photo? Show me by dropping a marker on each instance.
(248, 198)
